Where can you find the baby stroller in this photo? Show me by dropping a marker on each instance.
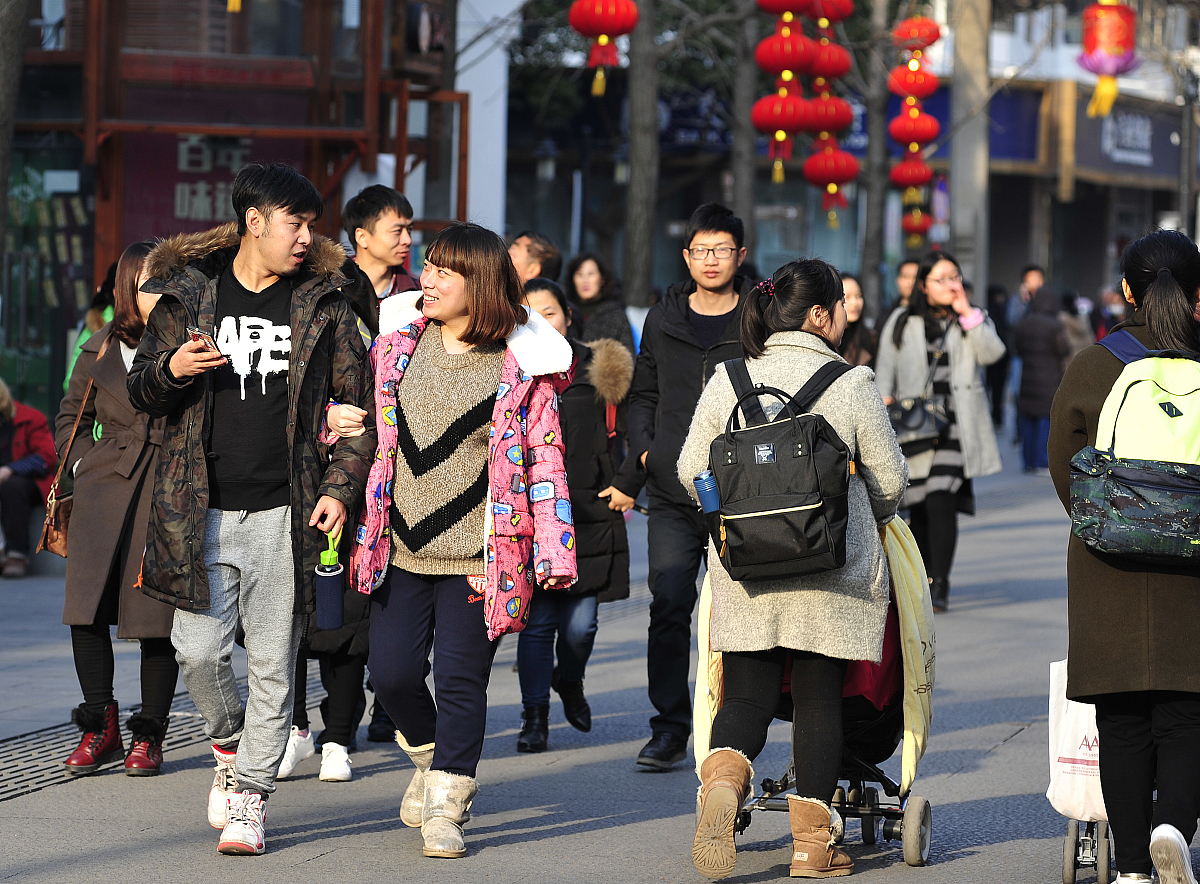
(889, 712)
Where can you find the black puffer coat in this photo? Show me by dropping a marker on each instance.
(672, 371)
(1041, 342)
(605, 319)
(603, 371)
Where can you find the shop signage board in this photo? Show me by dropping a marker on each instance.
(1135, 141)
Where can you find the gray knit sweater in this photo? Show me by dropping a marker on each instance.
(837, 613)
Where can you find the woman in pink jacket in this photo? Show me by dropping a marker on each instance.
(467, 513)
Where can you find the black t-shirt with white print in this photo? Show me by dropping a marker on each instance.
(248, 460)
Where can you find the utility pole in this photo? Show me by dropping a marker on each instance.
(1187, 151)
(969, 152)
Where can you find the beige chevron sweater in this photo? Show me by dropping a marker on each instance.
(443, 413)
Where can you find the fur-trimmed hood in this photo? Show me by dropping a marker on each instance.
(610, 371)
(210, 251)
(537, 346)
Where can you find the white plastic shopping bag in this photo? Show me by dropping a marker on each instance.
(1074, 754)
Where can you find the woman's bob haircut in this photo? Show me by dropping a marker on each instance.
(494, 291)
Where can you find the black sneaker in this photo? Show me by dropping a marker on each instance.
(663, 752)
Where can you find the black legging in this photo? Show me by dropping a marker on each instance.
(753, 681)
(935, 527)
(342, 676)
(1148, 738)
(93, 651)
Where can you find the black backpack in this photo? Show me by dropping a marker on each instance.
(783, 484)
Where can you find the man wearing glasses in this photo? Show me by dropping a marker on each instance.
(692, 330)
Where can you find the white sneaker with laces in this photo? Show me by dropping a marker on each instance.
(1171, 856)
(335, 763)
(224, 784)
(245, 832)
(299, 747)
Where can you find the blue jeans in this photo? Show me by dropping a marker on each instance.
(574, 617)
(1035, 439)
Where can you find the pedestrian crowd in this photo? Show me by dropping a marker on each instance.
(468, 444)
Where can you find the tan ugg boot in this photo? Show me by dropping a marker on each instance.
(447, 808)
(414, 796)
(814, 853)
(725, 776)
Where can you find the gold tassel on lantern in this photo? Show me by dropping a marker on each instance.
(233, 6)
(598, 83)
(833, 221)
(777, 172)
(912, 196)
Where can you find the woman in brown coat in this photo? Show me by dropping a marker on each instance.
(1133, 626)
(112, 460)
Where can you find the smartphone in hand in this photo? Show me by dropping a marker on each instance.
(204, 338)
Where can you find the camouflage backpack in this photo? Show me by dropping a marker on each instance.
(1136, 493)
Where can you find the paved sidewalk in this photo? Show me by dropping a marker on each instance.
(583, 811)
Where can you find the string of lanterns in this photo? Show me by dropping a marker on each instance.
(913, 82)
(787, 54)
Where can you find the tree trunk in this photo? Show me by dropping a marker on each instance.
(743, 159)
(876, 179)
(643, 158)
(13, 30)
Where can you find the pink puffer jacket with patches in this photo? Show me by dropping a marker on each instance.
(530, 535)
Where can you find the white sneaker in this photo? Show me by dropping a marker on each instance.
(299, 747)
(1171, 856)
(224, 784)
(1132, 878)
(245, 833)
(335, 763)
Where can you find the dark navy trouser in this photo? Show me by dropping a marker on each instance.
(407, 611)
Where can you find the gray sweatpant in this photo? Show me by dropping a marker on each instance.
(251, 577)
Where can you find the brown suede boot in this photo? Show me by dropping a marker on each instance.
(725, 776)
(814, 854)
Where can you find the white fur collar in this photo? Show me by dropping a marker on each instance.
(537, 346)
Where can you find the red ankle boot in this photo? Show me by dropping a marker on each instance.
(145, 756)
(101, 739)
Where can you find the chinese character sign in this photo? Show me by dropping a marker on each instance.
(183, 183)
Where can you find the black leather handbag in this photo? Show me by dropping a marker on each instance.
(919, 421)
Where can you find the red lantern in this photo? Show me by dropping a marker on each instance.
(832, 11)
(778, 53)
(829, 60)
(784, 7)
(910, 173)
(828, 168)
(916, 34)
(1109, 41)
(916, 224)
(829, 114)
(780, 116)
(914, 126)
(603, 20)
(912, 80)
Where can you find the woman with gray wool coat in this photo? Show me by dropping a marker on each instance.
(938, 346)
(791, 326)
(112, 460)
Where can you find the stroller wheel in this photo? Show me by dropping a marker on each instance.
(1103, 855)
(1070, 844)
(870, 822)
(917, 831)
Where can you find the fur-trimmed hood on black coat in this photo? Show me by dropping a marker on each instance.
(603, 372)
(328, 361)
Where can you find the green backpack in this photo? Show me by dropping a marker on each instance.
(1136, 493)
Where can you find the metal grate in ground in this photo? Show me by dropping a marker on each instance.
(34, 761)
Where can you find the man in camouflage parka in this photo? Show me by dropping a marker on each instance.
(270, 587)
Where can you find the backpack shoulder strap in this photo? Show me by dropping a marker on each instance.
(818, 384)
(1124, 346)
(742, 384)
